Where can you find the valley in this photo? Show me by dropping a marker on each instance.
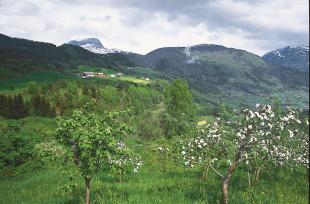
(80, 121)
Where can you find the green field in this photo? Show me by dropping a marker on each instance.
(151, 186)
(15, 83)
(39, 76)
(84, 68)
(30, 184)
(134, 79)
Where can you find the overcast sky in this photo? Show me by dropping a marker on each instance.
(140, 26)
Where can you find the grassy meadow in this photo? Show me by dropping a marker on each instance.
(34, 182)
(152, 186)
(21, 81)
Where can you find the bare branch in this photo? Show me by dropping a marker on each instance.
(218, 173)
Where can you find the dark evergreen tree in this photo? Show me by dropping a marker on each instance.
(36, 105)
(93, 92)
(85, 91)
(18, 107)
(4, 106)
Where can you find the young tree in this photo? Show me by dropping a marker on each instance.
(5, 107)
(15, 147)
(85, 91)
(19, 109)
(33, 88)
(261, 133)
(178, 99)
(179, 106)
(93, 92)
(95, 143)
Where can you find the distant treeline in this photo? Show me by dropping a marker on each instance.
(16, 107)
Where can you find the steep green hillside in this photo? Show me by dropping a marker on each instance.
(228, 74)
(20, 56)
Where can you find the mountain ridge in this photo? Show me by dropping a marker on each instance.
(93, 45)
(22, 55)
(290, 56)
(215, 71)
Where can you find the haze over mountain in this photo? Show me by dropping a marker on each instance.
(290, 56)
(93, 45)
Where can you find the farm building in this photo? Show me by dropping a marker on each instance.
(101, 74)
(86, 75)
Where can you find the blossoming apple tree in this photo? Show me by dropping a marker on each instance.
(93, 144)
(261, 134)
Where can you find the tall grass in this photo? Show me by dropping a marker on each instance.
(152, 186)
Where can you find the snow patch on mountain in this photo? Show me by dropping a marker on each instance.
(94, 45)
(283, 52)
(296, 56)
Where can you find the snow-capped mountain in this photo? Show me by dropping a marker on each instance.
(290, 56)
(94, 45)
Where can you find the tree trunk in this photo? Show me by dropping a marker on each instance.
(227, 177)
(87, 196)
(226, 180)
(257, 173)
(249, 178)
(225, 190)
(205, 172)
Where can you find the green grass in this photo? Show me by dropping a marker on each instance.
(84, 68)
(206, 119)
(39, 76)
(6, 73)
(134, 79)
(146, 72)
(151, 186)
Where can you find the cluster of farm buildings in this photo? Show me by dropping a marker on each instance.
(86, 75)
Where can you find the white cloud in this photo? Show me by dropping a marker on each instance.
(141, 26)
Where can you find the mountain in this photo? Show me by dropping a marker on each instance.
(290, 56)
(21, 55)
(215, 66)
(93, 45)
(214, 72)
(226, 74)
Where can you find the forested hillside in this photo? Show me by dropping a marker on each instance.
(21, 56)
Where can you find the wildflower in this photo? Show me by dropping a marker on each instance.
(291, 133)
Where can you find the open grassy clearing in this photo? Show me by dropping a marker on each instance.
(39, 76)
(151, 186)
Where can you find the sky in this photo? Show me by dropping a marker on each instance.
(141, 26)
